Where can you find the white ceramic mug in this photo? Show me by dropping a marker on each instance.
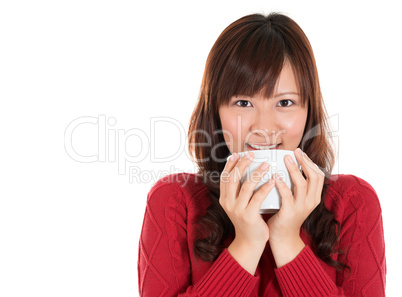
(276, 160)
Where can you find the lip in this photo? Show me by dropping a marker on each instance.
(262, 144)
(253, 149)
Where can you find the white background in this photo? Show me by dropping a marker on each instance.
(71, 228)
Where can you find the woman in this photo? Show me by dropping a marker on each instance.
(203, 234)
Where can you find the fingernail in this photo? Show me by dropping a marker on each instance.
(234, 157)
(277, 177)
(264, 166)
(290, 159)
(270, 182)
(249, 155)
(300, 152)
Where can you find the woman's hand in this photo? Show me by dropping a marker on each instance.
(242, 208)
(285, 225)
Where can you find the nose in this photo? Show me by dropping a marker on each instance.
(264, 125)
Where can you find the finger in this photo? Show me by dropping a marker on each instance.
(230, 164)
(247, 188)
(259, 196)
(308, 166)
(300, 183)
(224, 178)
(233, 186)
(314, 175)
(283, 189)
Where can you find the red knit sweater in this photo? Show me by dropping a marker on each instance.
(168, 267)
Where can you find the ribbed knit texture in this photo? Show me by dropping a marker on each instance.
(226, 278)
(167, 266)
(305, 277)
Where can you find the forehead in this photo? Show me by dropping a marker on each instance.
(285, 85)
(287, 81)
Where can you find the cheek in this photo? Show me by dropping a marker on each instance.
(294, 128)
(232, 133)
(229, 127)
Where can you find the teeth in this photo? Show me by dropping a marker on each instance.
(258, 147)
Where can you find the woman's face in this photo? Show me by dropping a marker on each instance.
(280, 120)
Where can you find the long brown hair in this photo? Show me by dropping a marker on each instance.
(246, 59)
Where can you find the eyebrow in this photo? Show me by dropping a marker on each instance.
(276, 96)
(286, 93)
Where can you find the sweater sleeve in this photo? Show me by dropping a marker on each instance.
(362, 239)
(164, 266)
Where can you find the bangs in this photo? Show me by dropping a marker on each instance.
(253, 65)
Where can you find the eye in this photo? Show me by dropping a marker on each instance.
(242, 101)
(285, 103)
